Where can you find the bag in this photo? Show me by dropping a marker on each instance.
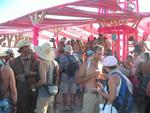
(108, 109)
(51, 89)
(124, 101)
(148, 89)
(72, 67)
(50, 86)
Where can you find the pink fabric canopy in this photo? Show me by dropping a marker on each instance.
(108, 12)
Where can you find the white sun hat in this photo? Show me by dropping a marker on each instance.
(45, 51)
(110, 61)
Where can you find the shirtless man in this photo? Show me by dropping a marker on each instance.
(8, 87)
(88, 73)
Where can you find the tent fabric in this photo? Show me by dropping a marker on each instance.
(112, 14)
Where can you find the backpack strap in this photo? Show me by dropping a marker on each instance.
(107, 88)
(88, 63)
(54, 74)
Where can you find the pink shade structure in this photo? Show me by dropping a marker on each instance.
(35, 34)
(112, 15)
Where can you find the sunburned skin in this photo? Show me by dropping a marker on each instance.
(95, 73)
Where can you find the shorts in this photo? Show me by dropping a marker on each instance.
(68, 87)
(45, 104)
(5, 106)
(91, 102)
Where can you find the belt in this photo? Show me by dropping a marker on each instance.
(91, 92)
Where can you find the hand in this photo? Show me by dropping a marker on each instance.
(99, 85)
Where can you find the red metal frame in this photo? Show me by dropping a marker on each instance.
(122, 31)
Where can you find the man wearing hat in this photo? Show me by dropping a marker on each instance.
(110, 67)
(68, 85)
(10, 56)
(25, 68)
(8, 91)
(49, 75)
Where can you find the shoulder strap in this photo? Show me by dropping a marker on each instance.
(105, 85)
(88, 64)
(52, 76)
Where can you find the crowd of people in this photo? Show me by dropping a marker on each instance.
(31, 82)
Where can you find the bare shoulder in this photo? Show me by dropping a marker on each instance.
(114, 78)
(6, 68)
(6, 71)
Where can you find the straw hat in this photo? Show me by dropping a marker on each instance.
(45, 51)
(23, 43)
(109, 61)
(68, 48)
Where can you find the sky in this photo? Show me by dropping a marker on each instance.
(144, 6)
(10, 9)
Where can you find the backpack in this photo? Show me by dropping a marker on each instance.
(72, 66)
(124, 101)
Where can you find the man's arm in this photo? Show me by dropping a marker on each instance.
(112, 84)
(13, 87)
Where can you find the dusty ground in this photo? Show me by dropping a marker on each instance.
(59, 106)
